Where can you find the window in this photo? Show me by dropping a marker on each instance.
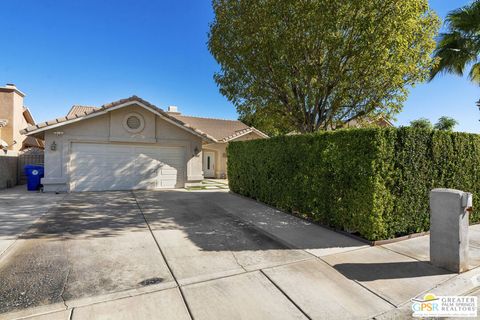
(208, 162)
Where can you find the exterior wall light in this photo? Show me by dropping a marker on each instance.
(196, 151)
(53, 146)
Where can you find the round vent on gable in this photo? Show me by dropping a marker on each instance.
(133, 122)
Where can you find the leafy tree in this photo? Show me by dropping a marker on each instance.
(271, 124)
(317, 64)
(446, 124)
(459, 47)
(422, 123)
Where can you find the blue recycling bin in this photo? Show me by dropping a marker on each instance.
(34, 173)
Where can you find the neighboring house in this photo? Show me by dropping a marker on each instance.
(132, 144)
(358, 123)
(14, 116)
(377, 122)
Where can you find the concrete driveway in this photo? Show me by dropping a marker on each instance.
(201, 255)
(19, 210)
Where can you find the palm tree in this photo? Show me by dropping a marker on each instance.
(446, 124)
(460, 46)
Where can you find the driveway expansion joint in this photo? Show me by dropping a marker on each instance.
(70, 316)
(164, 257)
(64, 287)
(286, 295)
(360, 284)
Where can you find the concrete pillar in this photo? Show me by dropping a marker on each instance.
(449, 213)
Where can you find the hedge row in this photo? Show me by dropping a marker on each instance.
(371, 182)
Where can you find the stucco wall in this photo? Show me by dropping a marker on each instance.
(220, 150)
(19, 122)
(6, 112)
(109, 128)
(8, 171)
(11, 109)
(118, 132)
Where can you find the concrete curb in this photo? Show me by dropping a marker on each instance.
(462, 284)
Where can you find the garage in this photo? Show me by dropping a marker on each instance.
(127, 144)
(97, 166)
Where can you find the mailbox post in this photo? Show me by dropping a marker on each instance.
(449, 216)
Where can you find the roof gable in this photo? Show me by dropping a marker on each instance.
(27, 115)
(73, 117)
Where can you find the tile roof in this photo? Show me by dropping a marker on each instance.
(222, 130)
(79, 110)
(100, 110)
(215, 130)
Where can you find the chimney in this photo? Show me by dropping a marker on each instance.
(10, 87)
(173, 110)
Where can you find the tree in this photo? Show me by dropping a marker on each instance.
(422, 123)
(271, 124)
(317, 64)
(445, 124)
(459, 47)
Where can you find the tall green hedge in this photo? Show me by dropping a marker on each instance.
(372, 182)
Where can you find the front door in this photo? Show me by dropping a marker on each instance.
(209, 164)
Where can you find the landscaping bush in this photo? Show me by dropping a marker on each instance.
(372, 182)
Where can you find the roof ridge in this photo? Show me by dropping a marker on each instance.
(79, 106)
(83, 106)
(238, 133)
(207, 118)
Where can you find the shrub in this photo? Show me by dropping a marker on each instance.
(372, 182)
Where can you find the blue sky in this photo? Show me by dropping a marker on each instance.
(92, 52)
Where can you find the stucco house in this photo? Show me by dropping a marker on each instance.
(132, 144)
(14, 116)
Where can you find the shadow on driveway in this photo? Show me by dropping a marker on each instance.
(213, 221)
(98, 243)
(388, 270)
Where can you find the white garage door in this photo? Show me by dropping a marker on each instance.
(97, 167)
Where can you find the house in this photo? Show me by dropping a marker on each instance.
(381, 122)
(132, 144)
(14, 116)
(224, 131)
